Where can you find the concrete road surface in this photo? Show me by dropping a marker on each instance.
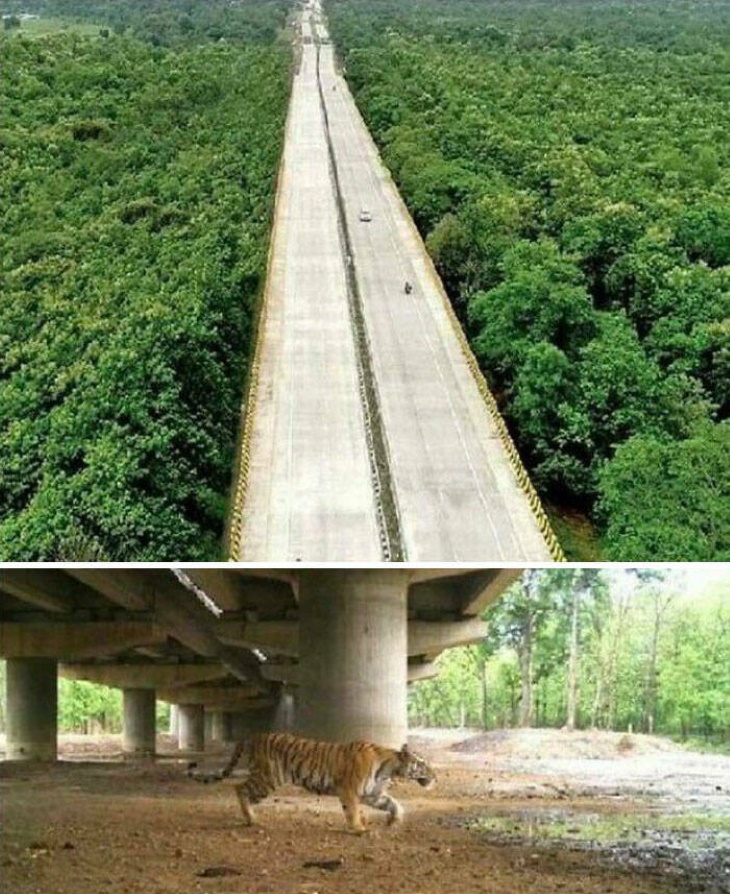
(310, 492)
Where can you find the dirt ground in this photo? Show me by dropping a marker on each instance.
(512, 813)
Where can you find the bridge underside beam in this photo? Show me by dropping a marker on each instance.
(143, 676)
(76, 641)
(232, 698)
(283, 637)
(430, 638)
(291, 673)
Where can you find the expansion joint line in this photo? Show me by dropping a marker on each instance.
(386, 506)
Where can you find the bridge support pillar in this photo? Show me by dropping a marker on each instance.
(191, 730)
(353, 647)
(221, 728)
(138, 732)
(174, 720)
(277, 717)
(32, 703)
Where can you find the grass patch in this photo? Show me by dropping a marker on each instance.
(706, 746)
(42, 27)
(607, 829)
(577, 534)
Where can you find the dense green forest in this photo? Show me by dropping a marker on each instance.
(137, 187)
(168, 22)
(624, 649)
(567, 164)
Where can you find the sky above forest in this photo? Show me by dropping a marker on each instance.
(692, 582)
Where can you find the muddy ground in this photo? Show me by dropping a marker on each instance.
(513, 813)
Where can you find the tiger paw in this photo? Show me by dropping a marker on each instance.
(396, 817)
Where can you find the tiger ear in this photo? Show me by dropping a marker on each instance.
(405, 750)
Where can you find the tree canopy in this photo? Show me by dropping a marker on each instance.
(634, 648)
(568, 168)
(138, 184)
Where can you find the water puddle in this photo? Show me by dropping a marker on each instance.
(693, 851)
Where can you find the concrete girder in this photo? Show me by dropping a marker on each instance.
(222, 697)
(55, 593)
(290, 673)
(143, 676)
(422, 670)
(91, 639)
(176, 609)
(232, 592)
(281, 673)
(480, 590)
(430, 638)
(421, 575)
(282, 637)
(453, 594)
(278, 637)
(192, 624)
(109, 584)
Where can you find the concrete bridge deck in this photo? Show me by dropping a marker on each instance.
(368, 437)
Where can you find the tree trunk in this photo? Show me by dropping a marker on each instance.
(661, 605)
(525, 655)
(598, 698)
(622, 610)
(573, 663)
(485, 696)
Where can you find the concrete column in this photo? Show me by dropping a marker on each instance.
(221, 726)
(353, 642)
(32, 703)
(276, 717)
(285, 710)
(191, 734)
(174, 720)
(138, 735)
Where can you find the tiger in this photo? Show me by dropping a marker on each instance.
(357, 772)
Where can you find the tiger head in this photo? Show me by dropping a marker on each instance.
(412, 766)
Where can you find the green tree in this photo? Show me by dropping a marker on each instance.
(703, 231)
(540, 300)
(87, 707)
(669, 499)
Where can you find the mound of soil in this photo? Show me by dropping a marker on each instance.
(550, 744)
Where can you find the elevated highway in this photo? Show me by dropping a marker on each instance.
(328, 653)
(370, 433)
